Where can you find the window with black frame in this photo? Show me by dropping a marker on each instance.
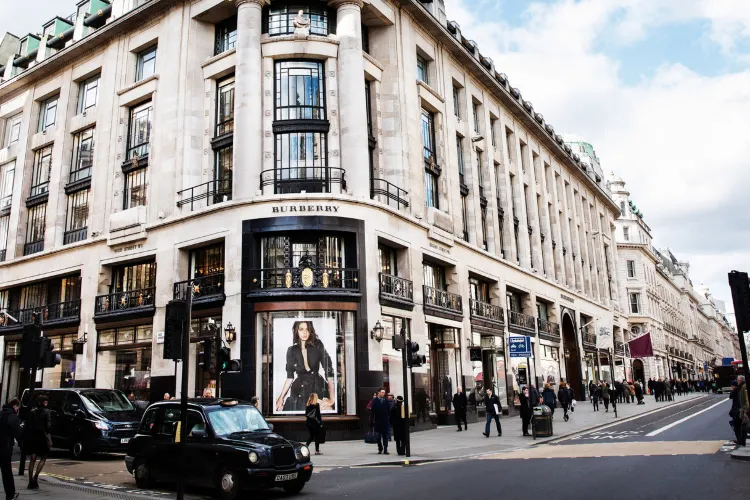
(465, 217)
(223, 173)
(35, 226)
(48, 114)
(76, 222)
(41, 173)
(301, 162)
(145, 64)
(134, 277)
(135, 188)
(88, 94)
(83, 155)
(278, 19)
(225, 106)
(139, 130)
(432, 171)
(226, 35)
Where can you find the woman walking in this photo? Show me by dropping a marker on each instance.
(594, 393)
(314, 421)
(605, 396)
(563, 396)
(549, 399)
(38, 439)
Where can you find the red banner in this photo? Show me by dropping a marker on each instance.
(641, 347)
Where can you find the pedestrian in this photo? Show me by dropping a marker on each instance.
(605, 396)
(166, 397)
(650, 386)
(572, 397)
(743, 419)
(667, 390)
(525, 410)
(596, 395)
(549, 399)
(398, 425)
(380, 417)
(459, 407)
(631, 389)
(10, 430)
(563, 396)
(638, 392)
(534, 396)
(391, 404)
(255, 401)
(38, 439)
(618, 391)
(493, 407)
(314, 421)
(422, 405)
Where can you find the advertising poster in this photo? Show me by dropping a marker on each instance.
(302, 349)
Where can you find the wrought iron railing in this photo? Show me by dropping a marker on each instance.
(225, 127)
(548, 328)
(75, 235)
(442, 299)
(521, 320)
(121, 301)
(80, 174)
(307, 179)
(484, 310)
(295, 278)
(139, 150)
(51, 312)
(213, 192)
(396, 287)
(33, 247)
(388, 193)
(203, 286)
(8, 317)
(40, 188)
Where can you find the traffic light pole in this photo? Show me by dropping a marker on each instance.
(32, 383)
(184, 391)
(407, 414)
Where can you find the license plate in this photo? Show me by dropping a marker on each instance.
(286, 477)
(124, 440)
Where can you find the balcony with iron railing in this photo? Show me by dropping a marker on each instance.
(226, 126)
(396, 291)
(303, 179)
(207, 290)
(303, 281)
(486, 314)
(441, 303)
(39, 189)
(206, 194)
(548, 330)
(519, 322)
(61, 314)
(138, 151)
(33, 247)
(389, 194)
(125, 305)
(75, 235)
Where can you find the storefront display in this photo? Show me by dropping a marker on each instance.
(550, 364)
(446, 369)
(304, 352)
(124, 361)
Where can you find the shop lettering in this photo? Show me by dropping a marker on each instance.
(128, 248)
(438, 247)
(566, 298)
(305, 208)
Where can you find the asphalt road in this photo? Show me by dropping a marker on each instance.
(676, 452)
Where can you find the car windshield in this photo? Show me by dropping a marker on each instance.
(106, 401)
(227, 420)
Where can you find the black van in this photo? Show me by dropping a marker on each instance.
(88, 420)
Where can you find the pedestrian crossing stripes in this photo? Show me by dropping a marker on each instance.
(618, 449)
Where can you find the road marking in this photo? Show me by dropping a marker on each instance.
(673, 424)
(616, 449)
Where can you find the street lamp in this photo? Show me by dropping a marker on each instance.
(377, 332)
(230, 334)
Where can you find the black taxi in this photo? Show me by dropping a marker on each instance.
(230, 447)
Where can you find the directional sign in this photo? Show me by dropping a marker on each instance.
(519, 346)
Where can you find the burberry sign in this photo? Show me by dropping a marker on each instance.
(282, 209)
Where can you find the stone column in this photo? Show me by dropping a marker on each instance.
(248, 104)
(351, 87)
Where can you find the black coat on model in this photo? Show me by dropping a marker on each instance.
(460, 402)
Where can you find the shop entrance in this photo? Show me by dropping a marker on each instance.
(572, 357)
(638, 371)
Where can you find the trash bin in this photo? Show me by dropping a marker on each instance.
(541, 421)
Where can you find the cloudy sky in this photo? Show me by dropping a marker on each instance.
(660, 87)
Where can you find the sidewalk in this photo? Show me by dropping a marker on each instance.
(445, 443)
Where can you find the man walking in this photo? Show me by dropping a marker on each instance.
(493, 407)
(459, 407)
(10, 430)
(380, 420)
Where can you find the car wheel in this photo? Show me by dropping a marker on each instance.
(143, 477)
(229, 484)
(78, 450)
(294, 488)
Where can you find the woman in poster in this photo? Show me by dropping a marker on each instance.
(304, 358)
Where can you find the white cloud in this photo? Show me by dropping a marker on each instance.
(677, 137)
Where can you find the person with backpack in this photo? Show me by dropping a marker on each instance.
(10, 430)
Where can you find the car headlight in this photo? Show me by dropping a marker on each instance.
(103, 426)
(253, 457)
(304, 451)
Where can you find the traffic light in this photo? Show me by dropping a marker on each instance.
(205, 358)
(174, 329)
(47, 358)
(30, 346)
(223, 359)
(412, 357)
(740, 286)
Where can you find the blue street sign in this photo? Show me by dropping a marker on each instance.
(519, 346)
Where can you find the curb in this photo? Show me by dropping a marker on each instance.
(741, 454)
(103, 490)
(542, 441)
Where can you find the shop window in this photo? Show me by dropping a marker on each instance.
(124, 361)
(207, 261)
(328, 369)
(445, 364)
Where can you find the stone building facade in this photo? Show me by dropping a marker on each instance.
(385, 178)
